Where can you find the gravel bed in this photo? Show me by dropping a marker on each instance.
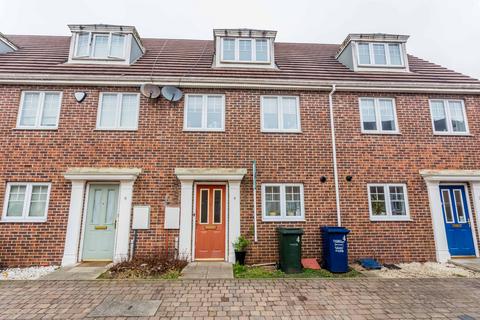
(421, 270)
(29, 273)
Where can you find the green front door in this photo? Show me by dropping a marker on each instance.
(100, 224)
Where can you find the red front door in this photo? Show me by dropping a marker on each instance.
(210, 222)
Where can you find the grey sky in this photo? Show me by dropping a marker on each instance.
(446, 32)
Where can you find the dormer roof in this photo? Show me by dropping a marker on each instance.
(371, 37)
(6, 45)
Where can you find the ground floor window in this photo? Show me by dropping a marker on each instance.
(26, 202)
(388, 202)
(282, 202)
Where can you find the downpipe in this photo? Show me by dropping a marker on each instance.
(334, 155)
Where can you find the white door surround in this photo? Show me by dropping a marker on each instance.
(79, 177)
(433, 179)
(189, 176)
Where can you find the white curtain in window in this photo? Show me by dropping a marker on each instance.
(395, 57)
(364, 53)
(228, 49)
(439, 116)
(100, 46)
(456, 113)
(261, 50)
(194, 112)
(245, 50)
(31, 101)
(270, 112)
(51, 107)
(108, 112)
(117, 45)
(129, 112)
(367, 107)
(289, 112)
(214, 112)
(387, 115)
(83, 45)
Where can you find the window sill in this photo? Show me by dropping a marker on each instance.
(245, 62)
(282, 219)
(36, 128)
(281, 131)
(115, 129)
(203, 130)
(450, 134)
(393, 133)
(23, 221)
(390, 219)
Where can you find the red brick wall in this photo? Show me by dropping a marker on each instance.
(160, 145)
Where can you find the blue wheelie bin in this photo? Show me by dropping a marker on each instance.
(335, 249)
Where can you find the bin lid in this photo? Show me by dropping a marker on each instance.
(283, 230)
(335, 230)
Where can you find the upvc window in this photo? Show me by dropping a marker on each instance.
(448, 117)
(39, 110)
(118, 111)
(245, 50)
(280, 114)
(282, 202)
(26, 202)
(388, 202)
(380, 54)
(378, 115)
(100, 45)
(204, 112)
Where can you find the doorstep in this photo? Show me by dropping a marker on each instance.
(467, 263)
(208, 270)
(82, 271)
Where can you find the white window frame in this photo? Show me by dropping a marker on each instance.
(387, 55)
(378, 119)
(204, 113)
(280, 115)
(38, 119)
(388, 205)
(448, 117)
(253, 48)
(283, 215)
(117, 126)
(26, 202)
(91, 48)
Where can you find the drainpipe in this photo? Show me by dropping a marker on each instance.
(334, 154)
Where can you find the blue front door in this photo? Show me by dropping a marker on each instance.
(457, 220)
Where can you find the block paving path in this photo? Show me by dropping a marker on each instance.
(456, 298)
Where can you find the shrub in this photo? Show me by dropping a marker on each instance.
(241, 244)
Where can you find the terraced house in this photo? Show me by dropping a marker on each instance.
(359, 134)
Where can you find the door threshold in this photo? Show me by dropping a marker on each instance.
(210, 259)
(463, 257)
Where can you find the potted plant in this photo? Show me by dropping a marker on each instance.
(240, 247)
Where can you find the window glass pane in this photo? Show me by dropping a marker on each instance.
(100, 46)
(29, 109)
(272, 201)
(397, 201)
(367, 107)
(459, 206)
(447, 206)
(111, 206)
(194, 112)
(214, 112)
(270, 113)
(387, 115)
(204, 206)
(108, 111)
(377, 200)
(38, 201)
(364, 53)
(97, 216)
(129, 112)
(290, 117)
(379, 53)
(228, 49)
(292, 201)
(15, 201)
(261, 49)
(51, 106)
(245, 50)
(82, 45)
(217, 206)
(117, 45)
(439, 117)
(456, 113)
(395, 57)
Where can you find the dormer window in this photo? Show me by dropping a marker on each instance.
(374, 52)
(244, 48)
(105, 44)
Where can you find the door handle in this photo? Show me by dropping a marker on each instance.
(115, 224)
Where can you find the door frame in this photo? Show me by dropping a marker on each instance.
(470, 212)
(85, 213)
(194, 231)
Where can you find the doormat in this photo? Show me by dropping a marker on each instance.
(133, 308)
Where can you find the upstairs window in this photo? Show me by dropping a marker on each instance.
(118, 111)
(280, 114)
(39, 110)
(380, 54)
(245, 50)
(448, 117)
(100, 45)
(204, 112)
(378, 115)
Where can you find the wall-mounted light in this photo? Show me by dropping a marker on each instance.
(323, 179)
(80, 96)
(348, 178)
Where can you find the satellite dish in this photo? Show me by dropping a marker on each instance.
(150, 90)
(171, 93)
